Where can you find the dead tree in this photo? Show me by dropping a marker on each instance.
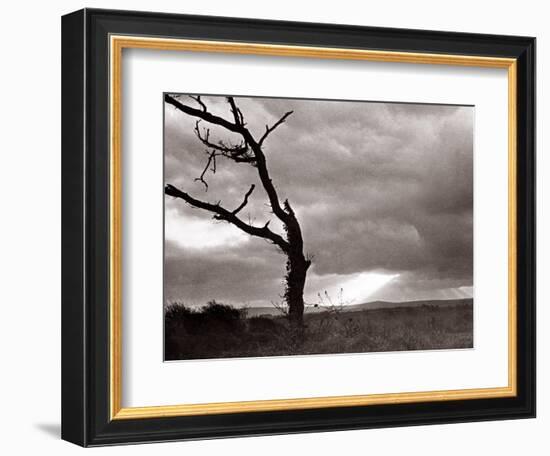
(249, 150)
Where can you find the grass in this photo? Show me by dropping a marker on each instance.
(221, 331)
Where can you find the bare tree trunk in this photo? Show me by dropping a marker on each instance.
(294, 293)
(296, 270)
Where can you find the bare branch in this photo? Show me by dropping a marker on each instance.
(211, 160)
(239, 153)
(220, 213)
(199, 101)
(268, 129)
(245, 201)
(205, 115)
(237, 114)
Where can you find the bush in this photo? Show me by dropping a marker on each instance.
(208, 331)
(222, 312)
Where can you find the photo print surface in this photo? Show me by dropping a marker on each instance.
(303, 227)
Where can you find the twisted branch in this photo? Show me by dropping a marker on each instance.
(220, 213)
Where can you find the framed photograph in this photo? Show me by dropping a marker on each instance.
(278, 227)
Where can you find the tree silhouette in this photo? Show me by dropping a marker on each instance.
(249, 151)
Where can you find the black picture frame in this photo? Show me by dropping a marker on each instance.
(86, 416)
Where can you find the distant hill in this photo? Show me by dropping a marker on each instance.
(272, 311)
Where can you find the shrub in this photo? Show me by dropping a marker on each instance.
(208, 331)
(222, 312)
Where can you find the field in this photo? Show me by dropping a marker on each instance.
(221, 331)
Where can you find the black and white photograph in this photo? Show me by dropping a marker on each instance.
(299, 221)
(302, 227)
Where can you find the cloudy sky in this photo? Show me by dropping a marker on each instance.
(383, 192)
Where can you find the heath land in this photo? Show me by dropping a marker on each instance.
(222, 331)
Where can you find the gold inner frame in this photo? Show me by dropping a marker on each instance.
(117, 44)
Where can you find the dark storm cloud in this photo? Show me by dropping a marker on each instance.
(376, 186)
